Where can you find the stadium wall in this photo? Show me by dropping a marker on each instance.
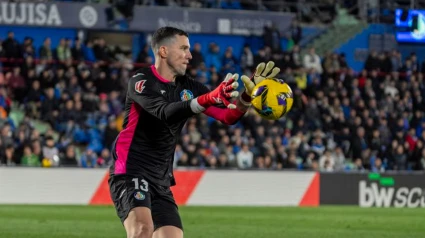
(360, 41)
(195, 187)
(222, 188)
(38, 34)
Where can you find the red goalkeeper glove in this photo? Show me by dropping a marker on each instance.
(222, 94)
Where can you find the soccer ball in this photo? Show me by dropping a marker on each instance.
(272, 98)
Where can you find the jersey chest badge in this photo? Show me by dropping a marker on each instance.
(139, 86)
(186, 95)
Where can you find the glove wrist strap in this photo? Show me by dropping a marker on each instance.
(196, 107)
(245, 99)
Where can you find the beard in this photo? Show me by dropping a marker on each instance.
(178, 71)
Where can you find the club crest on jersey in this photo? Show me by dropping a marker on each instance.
(139, 86)
(139, 196)
(186, 95)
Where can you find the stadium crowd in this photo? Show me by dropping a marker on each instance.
(340, 121)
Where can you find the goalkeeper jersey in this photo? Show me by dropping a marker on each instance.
(155, 113)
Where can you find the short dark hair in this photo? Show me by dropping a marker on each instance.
(165, 33)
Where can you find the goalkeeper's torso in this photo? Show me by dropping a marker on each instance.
(145, 147)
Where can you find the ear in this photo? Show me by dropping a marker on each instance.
(163, 51)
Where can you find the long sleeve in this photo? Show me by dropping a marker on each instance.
(224, 115)
(142, 93)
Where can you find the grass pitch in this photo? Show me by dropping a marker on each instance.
(28, 221)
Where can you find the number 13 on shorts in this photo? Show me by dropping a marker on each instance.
(141, 184)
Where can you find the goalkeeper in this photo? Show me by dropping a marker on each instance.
(160, 99)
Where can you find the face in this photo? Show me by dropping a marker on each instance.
(27, 150)
(178, 54)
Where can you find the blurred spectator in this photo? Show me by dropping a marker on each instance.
(8, 157)
(244, 158)
(312, 61)
(49, 107)
(223, 161)
(272, 37)
(50, 153)
(77, 51)
(17, 83)
(5, 103)
(46, 50)
(110, 133)
(327, 162)
(358, 165)
(213, 56)
(183, 160)
(296, 31)
(143, 54)
(89, 159)
(247, 60)
(101, 51)
(89, 52)
(29, 158)
(229, 62)
(104, 158)
(378, 166)
(197, 56)
(11, 47)
(400, 158)
(63, 50)
(69, 158)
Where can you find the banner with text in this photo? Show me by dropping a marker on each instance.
(373, 189)
(146, 18)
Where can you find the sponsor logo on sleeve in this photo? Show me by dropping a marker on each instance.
(139, 86)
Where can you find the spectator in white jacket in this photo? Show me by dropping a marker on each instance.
(312, 61)
(245, 157)
(327, 161)
(339, 159)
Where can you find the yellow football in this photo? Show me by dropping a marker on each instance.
(272, 98)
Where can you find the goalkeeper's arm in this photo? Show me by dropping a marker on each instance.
(230, 116)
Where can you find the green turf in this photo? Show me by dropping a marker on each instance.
(222, 222)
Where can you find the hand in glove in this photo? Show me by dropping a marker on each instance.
(262, 72)
(222, 94)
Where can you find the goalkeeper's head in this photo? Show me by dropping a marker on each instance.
(172, 50)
